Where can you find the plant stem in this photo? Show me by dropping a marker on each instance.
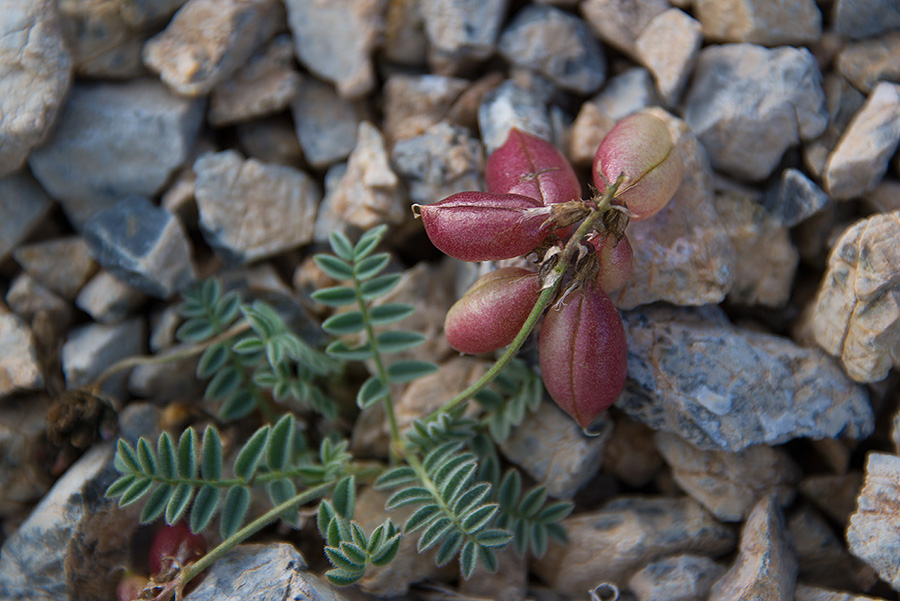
(253, 527)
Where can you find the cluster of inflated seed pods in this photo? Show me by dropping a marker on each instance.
(533, 204)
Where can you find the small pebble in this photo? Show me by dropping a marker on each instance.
(42, 261)
(668, 46)
(107, 299)
(511, 106)
(620, 22)
(19, 366)
(793, 198)
(92, 348)
(676, 578)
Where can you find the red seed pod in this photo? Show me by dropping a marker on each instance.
(641, 147)
(492, 311)
(175, 545)
(583, 354)
(616, 261)
(479, 226)
(533, 167)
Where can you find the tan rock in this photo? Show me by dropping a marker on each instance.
(730, 484)
(834, 494)
(821, 554)
(760, 21)
(429, 393)
(587, 131)
(620, 22)
(805, 592)
(842, 101)
(42, 261)
(668, 46)
(874, 533)
(19, 366)
(857, 311)
(412, 104)
(677, 578)
(867, 62)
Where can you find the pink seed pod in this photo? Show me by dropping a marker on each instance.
(478, 226)
(583, 354)
(492, 311)
(175, 545)
(616, 261)
(533, 167)
(640, 146)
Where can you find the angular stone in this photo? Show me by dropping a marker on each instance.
(266, 84)
(462, 30)
(886, 197)
(249, 210)
(207, 40)
(276, 570)
(668, 46)
(35, 69)
(107, 299)
(335, 38)
(865, 18)
(270, 140)
(834, 494)
(766, 567)
(369, 192)
(805, 592)
(585, 134)
(112, 141)
(765, 257)
(92, 348)
(23, 205)
(102, 43)
(821, 554)
(611, 544)
(620, 22)
(626, 93)
(24, 478)
(748, 104)
(676, 578)
(842, 101)
(723, 388)
(143, 245)
(74, 541)
(556, 44)
(554, 450)
(19, 366)
(730, 484)
(856, 314)
(860, 159)
(794, 198)
(509, 106)
(42, 261)
(683, 255)
(414, 103)
(794, 22)
(873, 534)
(139, 13)
(443, 160)
(28, 299)
(326, 123)
(866, 63)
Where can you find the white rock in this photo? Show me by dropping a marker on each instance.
(19, 366)
(874, 533)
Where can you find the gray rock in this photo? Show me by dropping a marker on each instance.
(270, 140)
(683, 255)
(586, 133)
(462, 30)
(250, 210)
(369, 193)
(27, 298)
(873, 534)
(73, 542)
(139, 13)
(267, 84)
(207, 40)
(19, 366)
(611, 544)
(793, 22)
(509, 106)
(765, 257)
(273, 571)
(669, 45)
(730, 484)
(555, 451)
(805, 592)
(334, 39)
(860, 159)
(766, 567)
(405, 42)
(821, 554)
(24, 477)
(556, 44)
(112, 141)
(620, 22)
(855, 316)
(626, 93)
(865, 18)
(722, 388)
(42, 261)
(33, 83)
(143, 245)
(748, 104)
(107, 299)
(676, 578)
(414, 103)
(23, 205)
(866, 63)
(326, 123)
(91, 348)
(444, 160)
(843, 101)
(793, 197)
(176, 379)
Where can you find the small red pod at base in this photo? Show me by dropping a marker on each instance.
(583, 354)
(175, 544)
(616, 261)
